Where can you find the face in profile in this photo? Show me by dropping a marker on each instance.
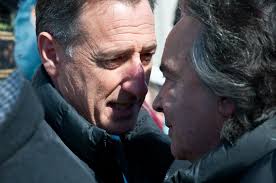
(191, 109)
(105, 77)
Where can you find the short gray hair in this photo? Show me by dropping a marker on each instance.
(60, 18)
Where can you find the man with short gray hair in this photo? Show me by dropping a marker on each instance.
(219, 97)
(96, 58)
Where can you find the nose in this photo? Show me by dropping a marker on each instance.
(135, 83)
(157, 103)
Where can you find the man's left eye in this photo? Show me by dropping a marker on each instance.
(112, 63)
(146, 58)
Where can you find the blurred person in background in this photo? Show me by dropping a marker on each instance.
(96, 62)
(220, 90)
(31, 151)
(7, 64)
(26, 52)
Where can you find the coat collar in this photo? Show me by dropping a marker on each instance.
(228, 161)
(21, 123)
(85, 139)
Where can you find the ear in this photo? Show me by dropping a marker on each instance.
(226, 107)
(48, 52)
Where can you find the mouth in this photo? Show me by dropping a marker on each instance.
(122, 109)
(120, 105)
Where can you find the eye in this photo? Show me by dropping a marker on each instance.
(146, 58)
(112, 63)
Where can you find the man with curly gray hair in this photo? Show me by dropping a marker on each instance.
(220, 90)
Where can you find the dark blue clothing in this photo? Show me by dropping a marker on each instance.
(30, 151)
(252, 159)
(142, 155)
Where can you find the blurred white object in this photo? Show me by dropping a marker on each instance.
(164, 16)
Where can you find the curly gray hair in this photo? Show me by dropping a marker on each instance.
(235, 56)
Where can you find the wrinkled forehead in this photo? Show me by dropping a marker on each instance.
(109, 17)
(115, 24)
(116, 10)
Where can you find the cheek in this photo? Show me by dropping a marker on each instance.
(180, 141)
(195, 134)
(107, 84)
(174, 101)
(167, 100)
(104, 83)
(186, 140)
(71, 83)
(90, 85)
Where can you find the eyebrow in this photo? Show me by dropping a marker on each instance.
(167, 70)
(113, 54)
(149, 48)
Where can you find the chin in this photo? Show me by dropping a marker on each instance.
(179, 157)
(177, 154)
(173, 151)
(120, 127)
(119, 130)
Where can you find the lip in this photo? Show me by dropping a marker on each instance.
(121, 110)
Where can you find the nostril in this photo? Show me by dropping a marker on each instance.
(157, 105)
(136, 87)
(159, 109)
(135, 83)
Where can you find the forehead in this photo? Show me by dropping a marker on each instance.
(118, 22)
(179, 44)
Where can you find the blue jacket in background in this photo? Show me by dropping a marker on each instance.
(26, 51)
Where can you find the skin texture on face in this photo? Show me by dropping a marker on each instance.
(190, 108)
(105, 79)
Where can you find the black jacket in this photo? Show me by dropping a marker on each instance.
(143, 155)
(31, 152)
(252, 159)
